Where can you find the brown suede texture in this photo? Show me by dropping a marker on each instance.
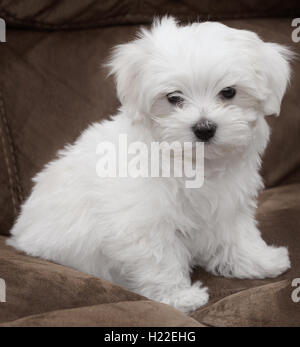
(36, 287)
(143, 313)
(66, 14)
(53, 85)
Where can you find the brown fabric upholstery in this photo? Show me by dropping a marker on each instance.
(269, 305)
(121, 314)
(35, 286)
(46, 292)
(65, 14)
(52, 86)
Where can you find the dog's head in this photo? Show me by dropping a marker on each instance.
(202, 82)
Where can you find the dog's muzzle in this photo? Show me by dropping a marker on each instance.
(204, 130)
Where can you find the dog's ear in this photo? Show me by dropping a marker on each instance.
(276, 75)
(125, 64)
(128, 65)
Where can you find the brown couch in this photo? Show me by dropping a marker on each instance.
(52, 86)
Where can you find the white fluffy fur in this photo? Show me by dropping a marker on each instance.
(147, 233)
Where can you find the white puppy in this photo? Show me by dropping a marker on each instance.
(201, 82)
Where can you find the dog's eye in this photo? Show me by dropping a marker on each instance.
(175, 99)
(228, 93)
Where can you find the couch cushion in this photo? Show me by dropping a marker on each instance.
(36, 286)
(236, 302)
(65, 14)
(269, 305)
(41, 293)
(122, 314)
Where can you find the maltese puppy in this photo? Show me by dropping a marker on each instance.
(201, 83)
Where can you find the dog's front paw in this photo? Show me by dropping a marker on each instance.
(275, 261)
(269, 262)
(188, 299)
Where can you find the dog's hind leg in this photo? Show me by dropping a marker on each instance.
(158, 268)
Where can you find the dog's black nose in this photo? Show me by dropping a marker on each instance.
(205, 130)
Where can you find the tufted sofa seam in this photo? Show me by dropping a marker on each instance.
(10, 159)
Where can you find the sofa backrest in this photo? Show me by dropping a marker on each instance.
(79, 14)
